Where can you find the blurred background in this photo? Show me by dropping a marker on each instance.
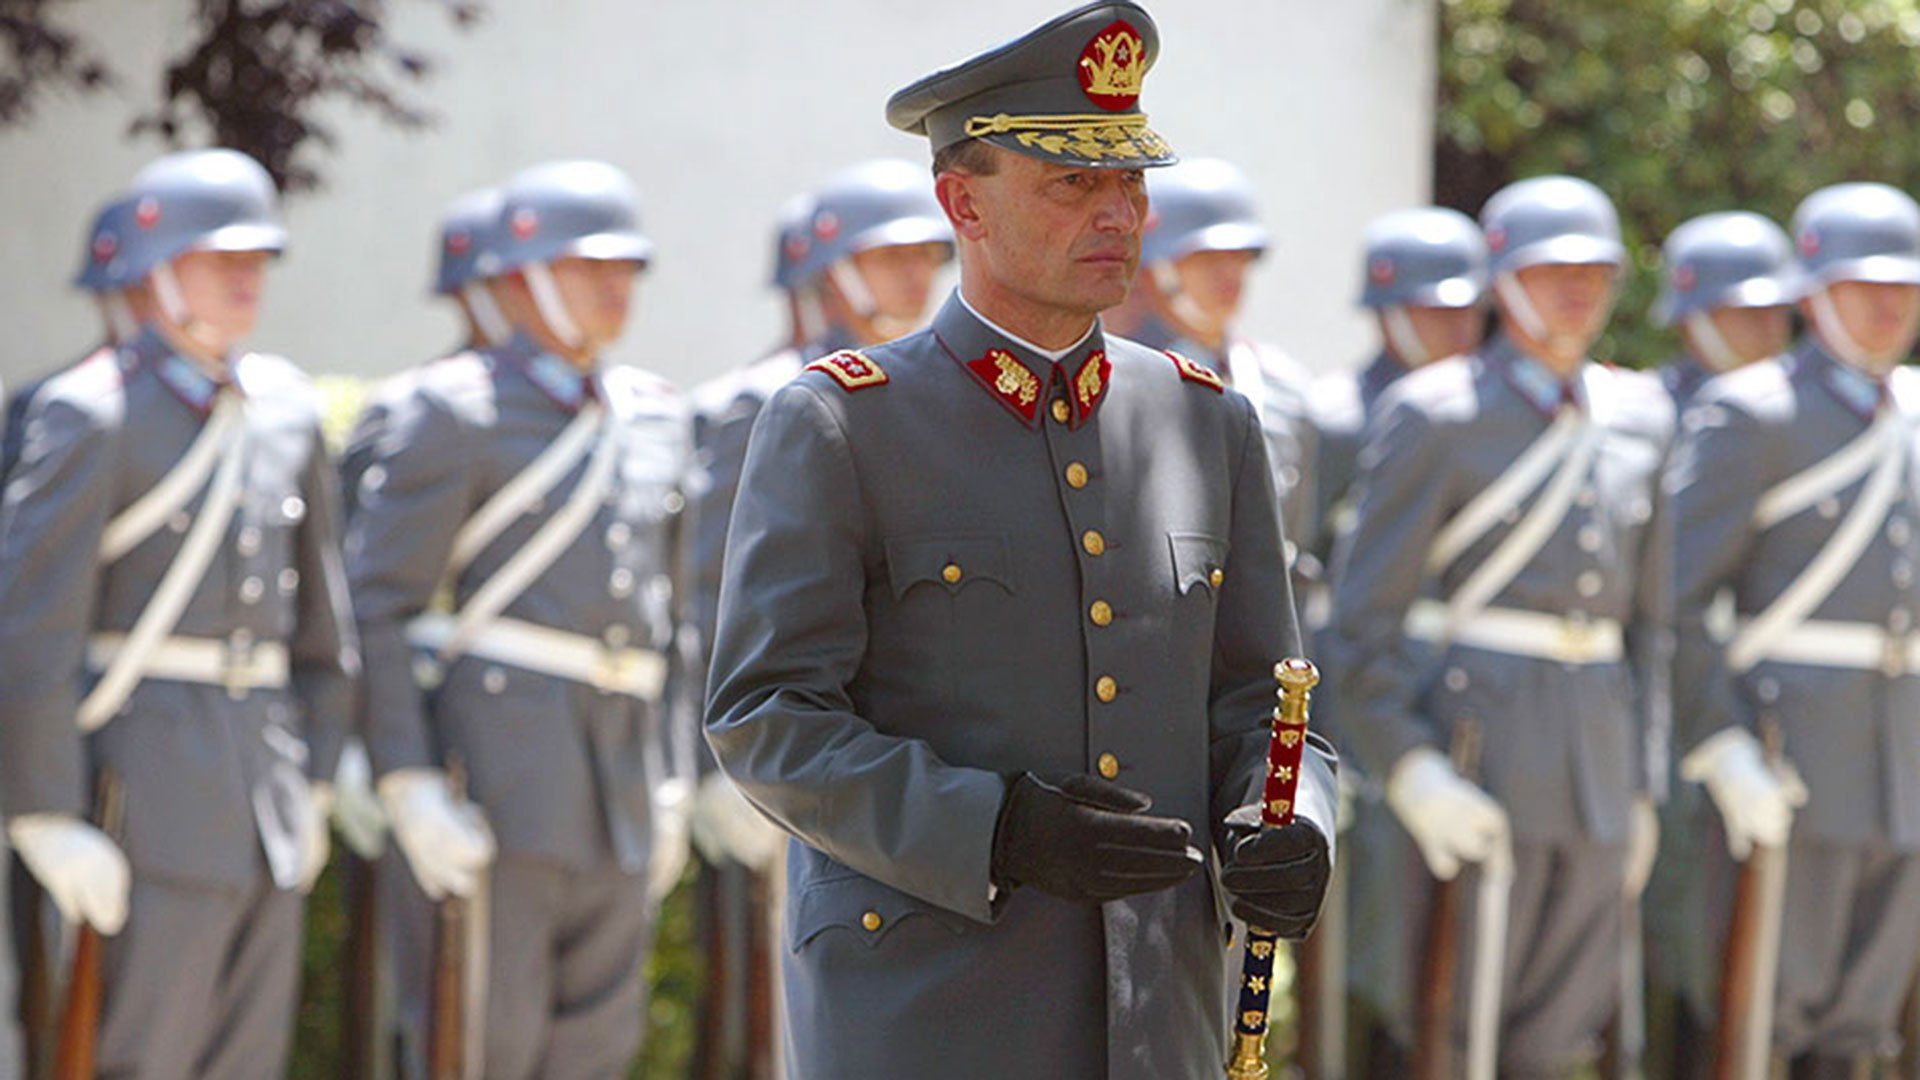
(374, 113)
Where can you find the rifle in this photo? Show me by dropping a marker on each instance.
(1743, 1043)
(1297, 677)
(1440, 946)
(447, 1033)
(80, 1019)
(360, 1004)
(36, 970)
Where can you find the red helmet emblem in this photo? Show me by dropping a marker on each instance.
(1809, 243)
(1496, 239)
(1684, 278)
(826, 225)
(1382, 271)
(104, 246)
(147, 214)
(796, 247)
(459, 242)
(525, 222)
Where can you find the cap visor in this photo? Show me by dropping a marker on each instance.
(904, 232)
(244, 238)
(611, 247)
(1568, 251)
(1874, 269)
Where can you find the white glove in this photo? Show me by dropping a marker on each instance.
(670, 849)
(726, 827)
(1643, 846)
(1756, 799)
(447, 843)
(81, 868)
(1451, 820)
(314, 838)
(356, 809)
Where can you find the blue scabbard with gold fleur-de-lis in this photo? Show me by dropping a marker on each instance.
(1297, 678)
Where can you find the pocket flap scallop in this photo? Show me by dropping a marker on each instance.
(862, 907)
(1198, 559)
(952, 561)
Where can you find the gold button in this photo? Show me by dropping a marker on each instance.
(1060, 411)
(951, 574)
(1216, 577)
(1093, 542)
(1109, 766)
(1105, 688)
(871, 920)
(1101, 613)
(1076, 475)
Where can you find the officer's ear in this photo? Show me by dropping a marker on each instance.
(958, 192)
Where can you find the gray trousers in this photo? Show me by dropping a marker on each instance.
(1848, 949)
(12, 1064)
(202, 983)
(1562, 982)
(567, 949)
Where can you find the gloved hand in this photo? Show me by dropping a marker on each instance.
(314, 837)
(1083, 839)
(1451, 820)
(1275, 878)
(356, 809)
(670, 849)
(1756, 799)
(726, 827)
(1643, 845)
(447, 842)
(81, 868)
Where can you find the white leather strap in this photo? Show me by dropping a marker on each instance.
(176, 588)
(1837, 556)
(1518, 632)
(1506, 492)
(1855, 646)
(1829, 476)
(186, 479)
(527, 487)
(640, 673)
(1245, 375)
(212, 661)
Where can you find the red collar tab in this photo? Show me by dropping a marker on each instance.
(1010, 382)
(1090, 385)
(1197, 373)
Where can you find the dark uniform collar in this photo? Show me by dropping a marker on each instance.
(1020, 375)
(1379, 374)
(1536, 383)
(185, 379)
(1684, 376)
(557, 380)
(1859, 392)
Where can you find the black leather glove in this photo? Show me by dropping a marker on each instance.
(1275, 878)
(1083, 839)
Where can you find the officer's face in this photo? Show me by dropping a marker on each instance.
(900, 277)
(1573, 301)
(598, 294)
(1215, 281)
(1447, 332)
(1060, 238)
(1754, 333)
(1882, 319)
(221, 291)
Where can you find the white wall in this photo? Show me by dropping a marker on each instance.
(720, 109)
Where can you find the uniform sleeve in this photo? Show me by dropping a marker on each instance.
(1255, 627)
(397, 548)
(1649, 643)
(682, 745)
(720, 446)
(1713, 486)
(792, 632)
(324, 650)
(57, 504)
(1379, 567)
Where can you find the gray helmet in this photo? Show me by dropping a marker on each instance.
(464, 229)
(791, 240)
(1857, 232)
(884, 203)
(1731, 259)
(583, 209)
(1425, 257)
(103, 267)
(1559, 220)
(1201, 205)
(199, 200)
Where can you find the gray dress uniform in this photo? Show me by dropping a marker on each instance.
(563, 768)
(202, 981)
(1852, 729)
(1566, 746)
(952, 559)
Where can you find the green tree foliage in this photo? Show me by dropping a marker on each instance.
(1676, 108)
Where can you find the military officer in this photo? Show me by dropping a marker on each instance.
(1505, 523)
(1002, 604)
(1202, 238)
(1793, 489)
(173, 611)
(1424, 280)
(516, 560)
